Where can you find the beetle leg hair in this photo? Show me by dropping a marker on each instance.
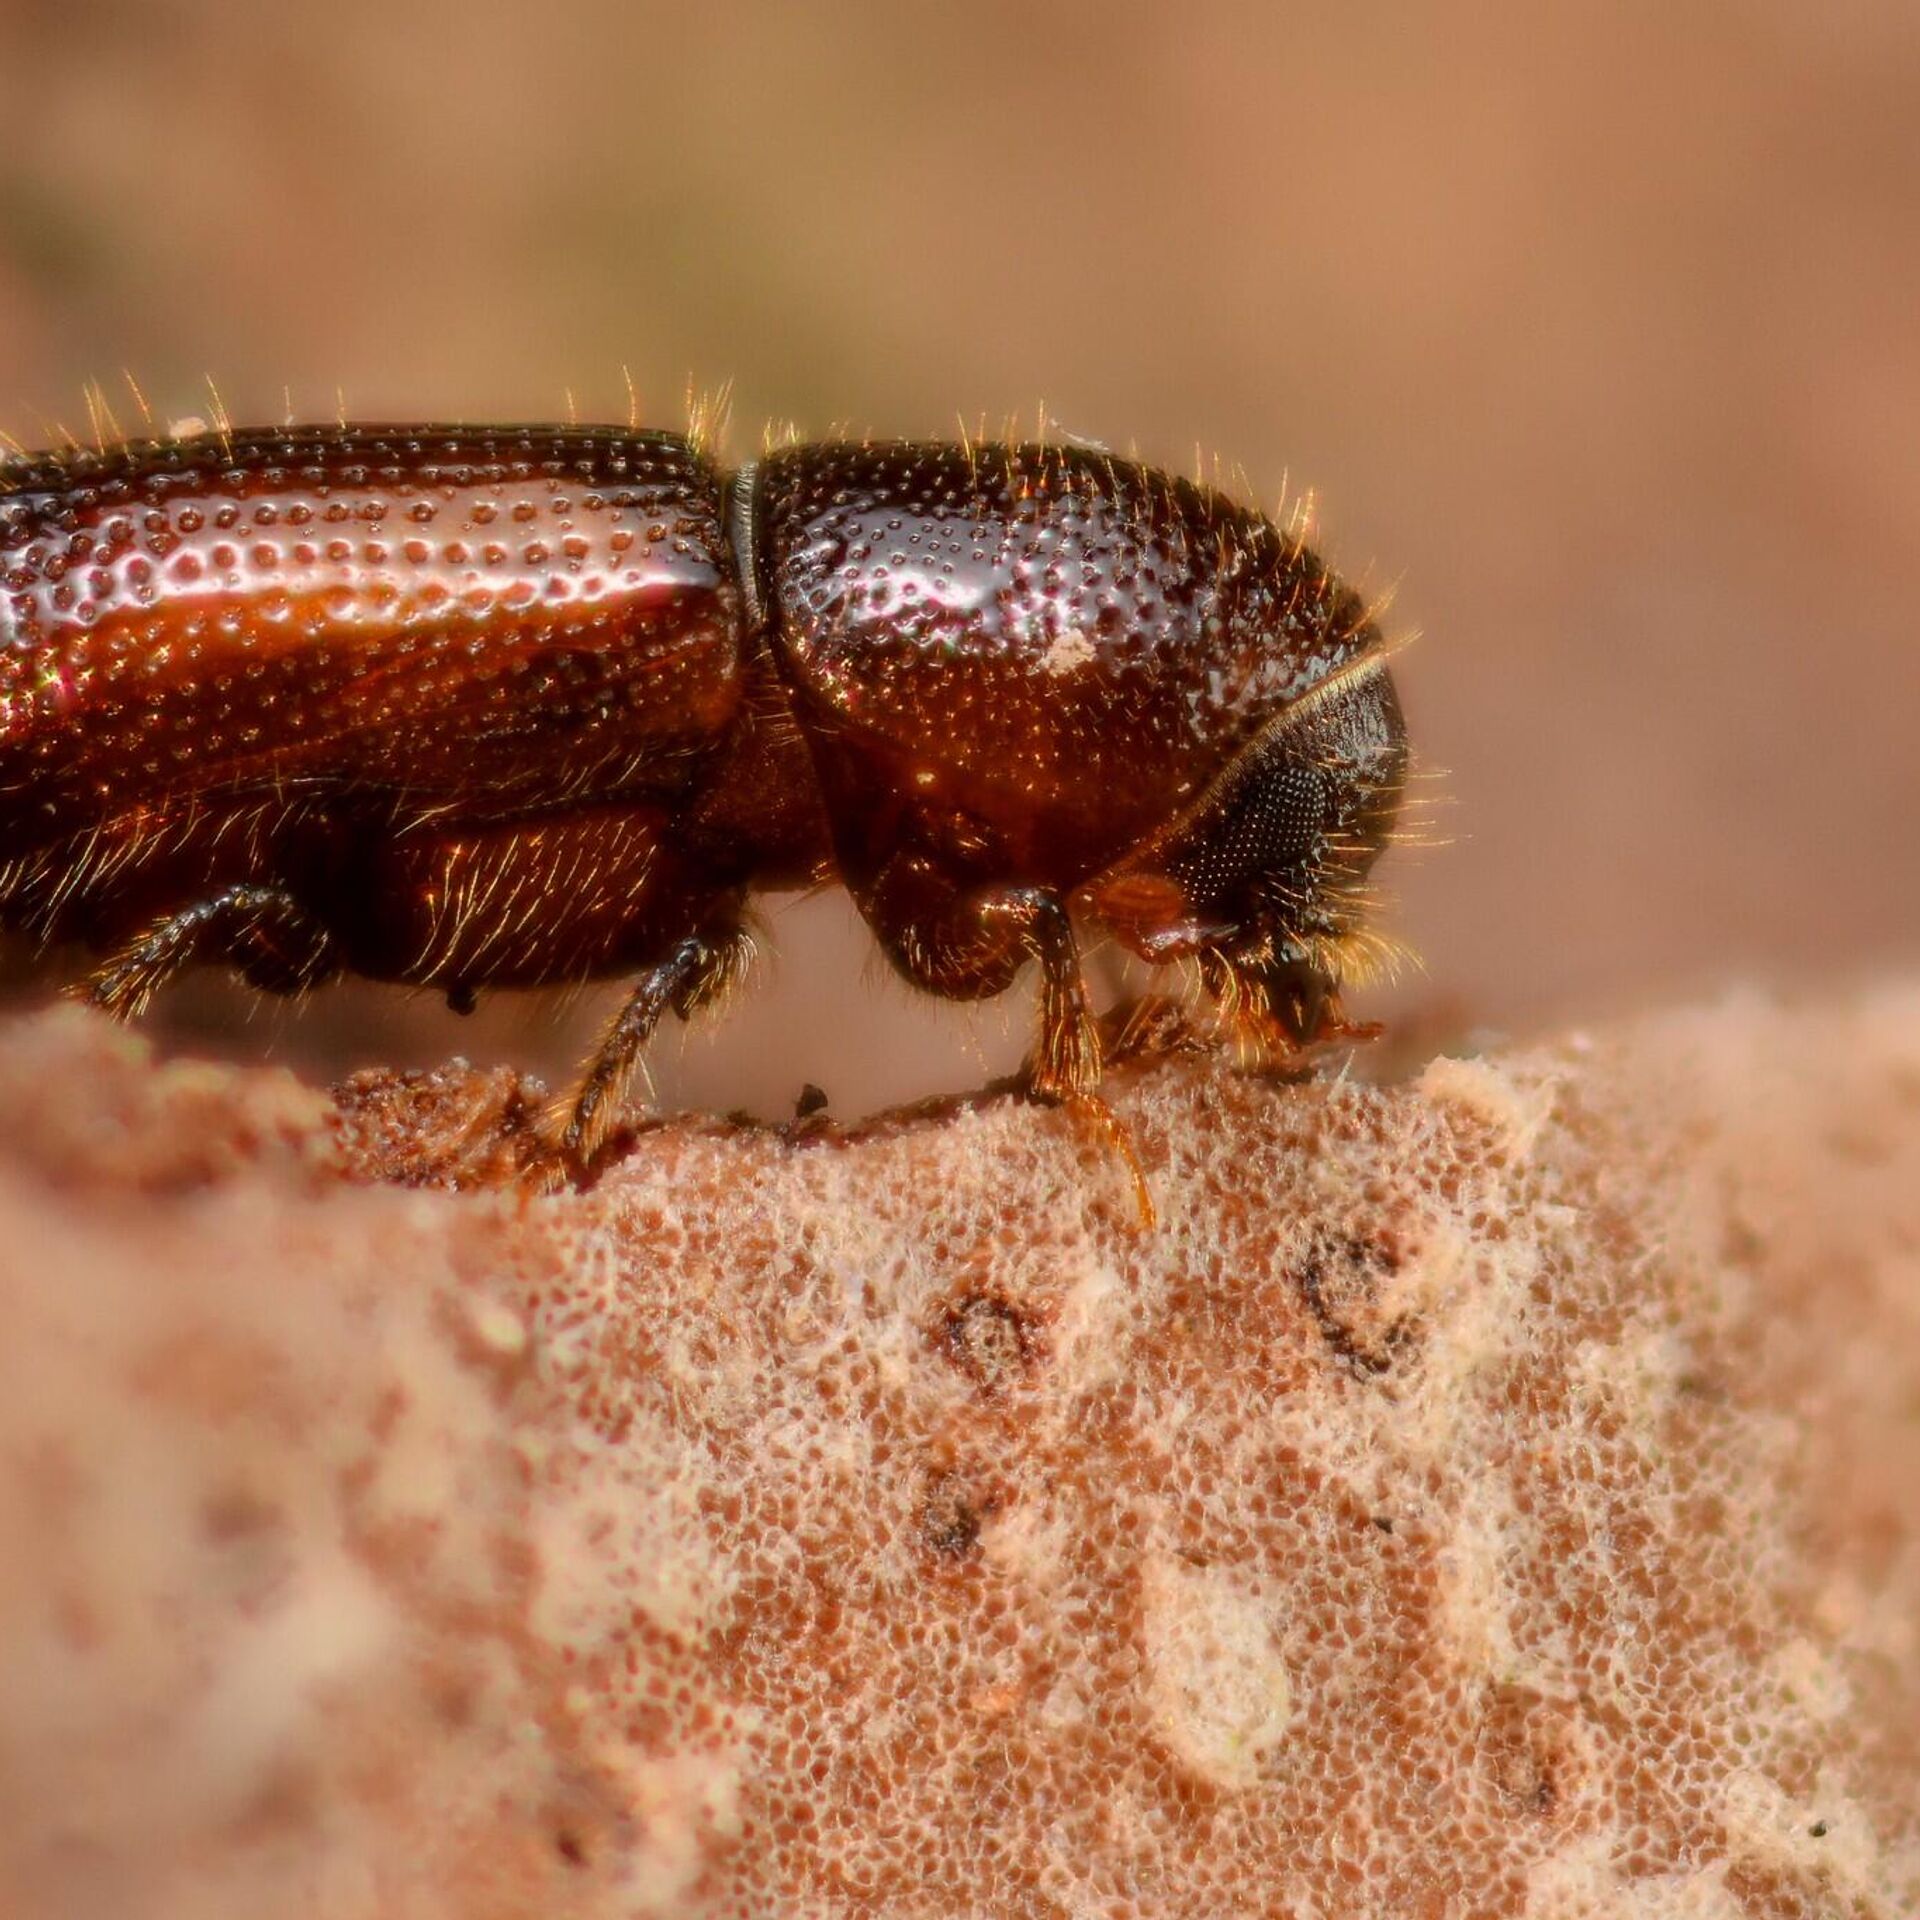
(698, 971)
(264, 933)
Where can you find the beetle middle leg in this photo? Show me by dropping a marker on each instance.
(264, 933)
(697, 971)
(463, 906)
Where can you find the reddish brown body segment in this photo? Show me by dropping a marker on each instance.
(469, 707)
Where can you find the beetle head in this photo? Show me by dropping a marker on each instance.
(1263, 879)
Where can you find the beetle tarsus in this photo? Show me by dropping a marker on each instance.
(1094, 1113)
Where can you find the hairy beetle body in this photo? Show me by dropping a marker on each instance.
(470, 707)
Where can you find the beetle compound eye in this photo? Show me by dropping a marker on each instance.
(1278, 847)
(1267, 827)
(525, 705)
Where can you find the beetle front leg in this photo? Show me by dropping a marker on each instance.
(968, 944)
(1066, 1058)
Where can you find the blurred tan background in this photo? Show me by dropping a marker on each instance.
(1596, 328)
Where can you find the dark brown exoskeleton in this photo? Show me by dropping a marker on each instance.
(467, 707)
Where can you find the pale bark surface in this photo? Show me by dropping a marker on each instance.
(1496, 1494)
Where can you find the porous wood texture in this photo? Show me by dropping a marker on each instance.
(1490, 1495)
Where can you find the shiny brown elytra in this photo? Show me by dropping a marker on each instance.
(467, 707)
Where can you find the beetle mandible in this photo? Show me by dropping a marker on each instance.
(465, 707)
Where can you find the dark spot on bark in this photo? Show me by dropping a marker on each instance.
(993, 1342)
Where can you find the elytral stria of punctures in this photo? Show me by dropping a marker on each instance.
(468, 707)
